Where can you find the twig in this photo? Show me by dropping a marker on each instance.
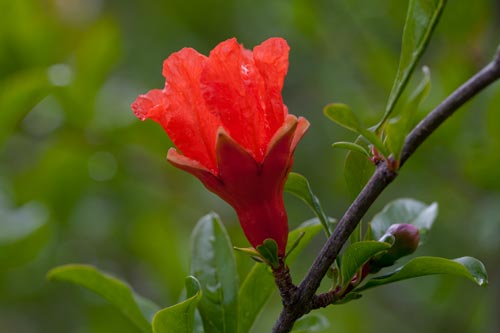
(303, 296)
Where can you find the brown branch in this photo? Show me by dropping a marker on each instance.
(284, 283)
(303, 298)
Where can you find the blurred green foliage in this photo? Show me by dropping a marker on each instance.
(70, 145)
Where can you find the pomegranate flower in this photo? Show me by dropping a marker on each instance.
(226, 116)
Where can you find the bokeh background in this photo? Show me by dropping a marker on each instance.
(78, 168)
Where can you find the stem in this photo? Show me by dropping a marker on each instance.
(304, 295)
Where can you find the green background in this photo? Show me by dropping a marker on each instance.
(71, 147)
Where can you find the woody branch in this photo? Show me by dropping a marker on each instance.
(301, 299)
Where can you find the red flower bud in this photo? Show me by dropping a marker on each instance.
(226, 116)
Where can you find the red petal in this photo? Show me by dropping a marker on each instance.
(271, 59)
(186, 119)
(234, 90)
(149, 105)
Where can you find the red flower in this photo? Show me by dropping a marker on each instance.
(226, 116)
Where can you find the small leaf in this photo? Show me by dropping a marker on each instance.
(258, 285)
(213, 264)
(405, 211)
(313, 322)
(299, 186)
(269, 252)
(252, 252)
(137, 309)
(467, 267)
(397, 129)
(357, 171)
(374, 140)
(352, 147)
(342, 115)
(356, 255)
(294, 245)
(179, 318)
(421, 19)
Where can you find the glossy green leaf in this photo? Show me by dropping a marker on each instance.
(467, 267)
(356, 255)
(313, 322)
(397, 129)
(179, 318)
(352, 147)
(258, 285)
(213, 264)
(421, 19)
(23, 233)
(137, 309)
(405, 211)
(357, 171)
(300, 187)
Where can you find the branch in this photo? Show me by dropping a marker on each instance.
(302, 302)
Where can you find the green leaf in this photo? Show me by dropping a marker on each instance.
(134, 307)
(374, 140)
(421, 19)
(357, 171)
(397, 129)
(467, 267)
(299, 186)
(352, 147)
(23, 233)
(356, 255)
(269, 252)
(405, 211)
(179, 318)
(313, 322)
(343, 115)
(213, 264)
(258, 285)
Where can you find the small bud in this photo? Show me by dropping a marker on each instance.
(406, 238)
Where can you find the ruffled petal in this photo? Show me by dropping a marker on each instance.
(271, 59)
(186, 118)
(234, 91)
(150, 105)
